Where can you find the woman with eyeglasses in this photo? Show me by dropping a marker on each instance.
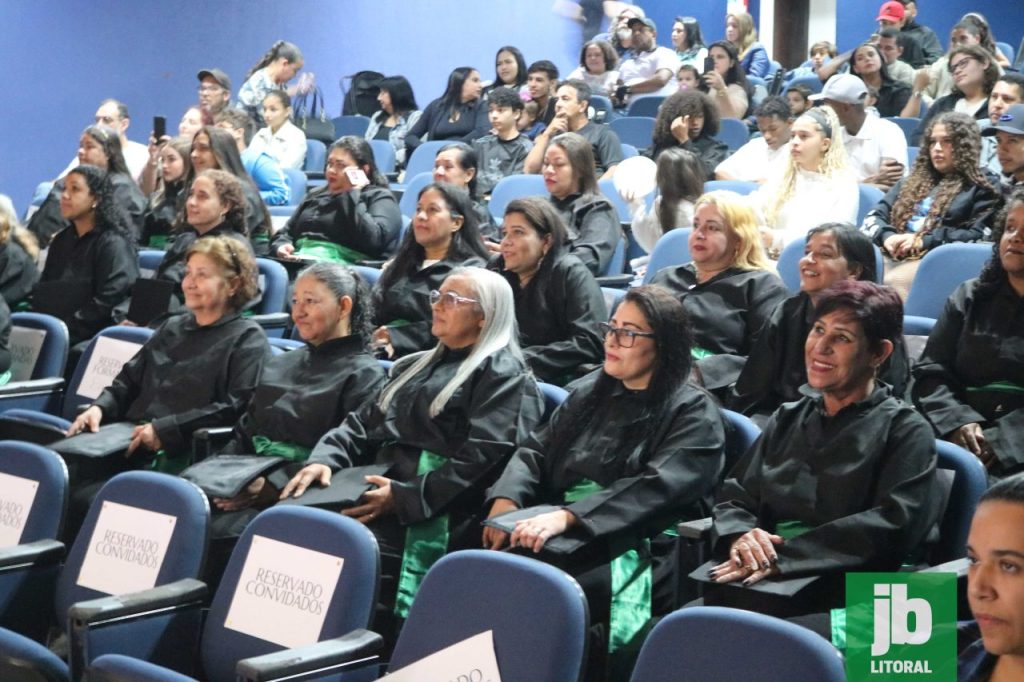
(445, 425)
(635, 448)
(444, 236)
(728, 288)
(974, 71)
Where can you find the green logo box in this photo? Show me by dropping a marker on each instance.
(900, 627)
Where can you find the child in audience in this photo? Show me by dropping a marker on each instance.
(503, 151)
(797, 96)
(528, 124)
(752, 161)
(690, 120)
(688, 77)
(680, 179)
(821, 52)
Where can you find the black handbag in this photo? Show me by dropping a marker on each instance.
(311, 116)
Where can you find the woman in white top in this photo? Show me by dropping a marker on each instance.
(598, 60)
(815, 185)
(281, 139)
(680, 182)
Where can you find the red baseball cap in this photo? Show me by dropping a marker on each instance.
(891, 11)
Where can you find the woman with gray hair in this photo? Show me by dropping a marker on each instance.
(445, 425)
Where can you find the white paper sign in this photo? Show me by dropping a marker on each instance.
(471, 660)
(126, 550)
(108, 356)
(283, 593)
(25, 346)
(16, 497)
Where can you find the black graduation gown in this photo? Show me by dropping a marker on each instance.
(18, 272)
(257, 219)
(476, 432)
(594, 230)
(367, 220)
(862, 480)
(188, 377)
(102, 261)
(726, 312)
(408, 299)
(645, 490)
(978, 340)
(709, 150)
(47, 221)
(304, 393)
(558, 324)
(775, 370)
(5, 336)
(161, 219)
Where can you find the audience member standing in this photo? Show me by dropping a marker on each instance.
(272, 72)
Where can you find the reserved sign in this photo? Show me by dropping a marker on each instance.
(283, 593)
(126, 550)
(108, 356)
(16, 497)
(471, 660)
(25, 344)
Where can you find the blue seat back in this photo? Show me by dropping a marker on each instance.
(349, 608)
(604, 112)
(422, 159)
(161, 493)
(645, 105)
(912, 153)
(72, 398)
(907, 124)
(296, 181)
(941, 271)
(868, 198)
(704, 641)
(671, 249)
(553, 397)
(629, 151)
(969, 483)
(411, 193)
(53, 354)
(369, 275)
(514, 187)
(734, 133)
(350, 125)
(279, 345)
(739, 186)
(609, 192)
(789, 264)
(149, 261)
(612, 298)
(273, 286)
(635, 130)
(1007, 50)
(459, 599)
(813, 83)
(383, 155)
(45, 518)
(740, 435)
(316, 156)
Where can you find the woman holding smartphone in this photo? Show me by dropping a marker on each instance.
(725, 81)
(352, 218)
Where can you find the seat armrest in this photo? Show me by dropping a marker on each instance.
(358, 646)
(40, 552)
(180, 593)
(315, 175)
(694, 530)
(615, 281)
(47, 385)
(372, 263)
(272, 320)
(206, 441)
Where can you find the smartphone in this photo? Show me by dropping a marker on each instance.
(356, 177)
(709, 64)
(159, 127)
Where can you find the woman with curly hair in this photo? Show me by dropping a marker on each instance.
(91, 264)
(945, 198)
(868, 63)
(969, 382)
(816, 185)
(974, 72)
(740, 31)
(689, 120)
(726, 82)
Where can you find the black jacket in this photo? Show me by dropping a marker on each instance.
(435, 124)
(942, 105)
(977, 341)
(594, 230)
(710, 151)
(18, 272)
(159, 221)
(47, 221)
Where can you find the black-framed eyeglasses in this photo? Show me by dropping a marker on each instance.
(624, 338)
(449, 299)
(953, 68)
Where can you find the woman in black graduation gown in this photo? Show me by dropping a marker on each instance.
(969, 382)
(634, 448)
(558, 301)
(444, 236)
(457, 163)
(198, 370)
(593, 224)
(839, 481)
(446, 424)
(18, 253)
(348, 220)
(728, 289)
(93, 259)
(775, 371)
(160, 221)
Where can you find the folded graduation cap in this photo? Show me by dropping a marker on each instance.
(347, 486)
(111, 439)
(565, 543)
(226, 475)
(151, 298)
(779, 586)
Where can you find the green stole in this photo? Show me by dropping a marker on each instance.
(329, 251)
(159, 241)
(1002, 386)
(279, 448)
(5, 378)
(425, 543)
(631, 585)
(698, 353)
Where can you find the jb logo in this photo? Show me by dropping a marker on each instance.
(892, 618)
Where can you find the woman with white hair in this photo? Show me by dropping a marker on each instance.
(445, 425)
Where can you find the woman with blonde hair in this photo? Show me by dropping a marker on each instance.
(740, 31)
(18, 252)
(728, 289)
(814, 187)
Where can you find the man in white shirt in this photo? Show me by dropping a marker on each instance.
(751, 162)
(114, 114)
(650, 69)
(877, 148)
